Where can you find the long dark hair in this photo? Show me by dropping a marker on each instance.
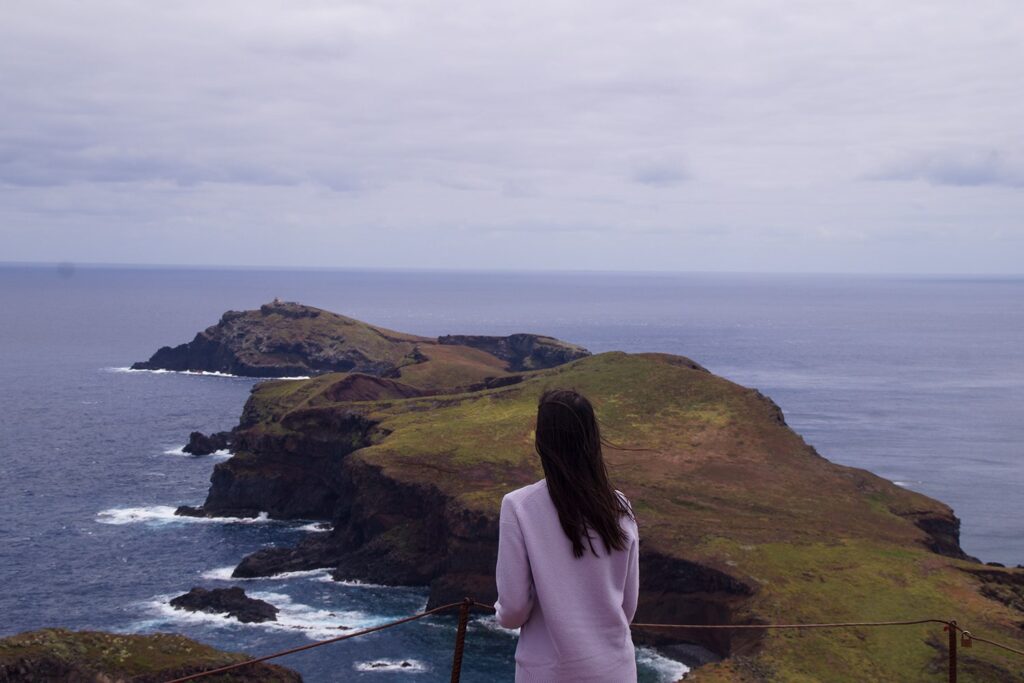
(568, 441)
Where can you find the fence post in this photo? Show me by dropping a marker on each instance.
(460, 639)
(951, 627)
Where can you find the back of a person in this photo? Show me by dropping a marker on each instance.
(573, 599)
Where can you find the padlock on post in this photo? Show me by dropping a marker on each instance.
(965, 639)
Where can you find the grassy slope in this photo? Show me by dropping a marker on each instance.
(129, 656)
(329, 330)
(724, 484)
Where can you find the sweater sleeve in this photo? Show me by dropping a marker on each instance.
(513, 576)
(632, 589)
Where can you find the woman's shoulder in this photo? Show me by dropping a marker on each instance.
(518, 497)
(528, 490)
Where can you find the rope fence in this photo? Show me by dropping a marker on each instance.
(966, 638)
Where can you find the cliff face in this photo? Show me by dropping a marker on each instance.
(741, 521)
(284, 339)
(56, 654)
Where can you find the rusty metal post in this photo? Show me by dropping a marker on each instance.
(951, 627)
(460, 639)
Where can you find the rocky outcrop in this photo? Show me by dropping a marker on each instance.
(56, 654)
(943, 532)
(230, 601)
(296, 475)
(286, 339)
(205, 444)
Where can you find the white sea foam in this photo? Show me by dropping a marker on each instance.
(296, 617)
(159, 515)
(668, 670)
(318, 527)
(352, 583)
(221, 454)
(409, 666)
(205, 373)
(202, 373)
(220, 574)
(224, 574)
(490, 623)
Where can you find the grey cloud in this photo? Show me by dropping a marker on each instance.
(660, 176)
(54, 167)
(964, 167)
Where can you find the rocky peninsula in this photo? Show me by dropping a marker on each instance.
(408, 449)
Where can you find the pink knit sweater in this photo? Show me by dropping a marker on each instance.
(574, 611)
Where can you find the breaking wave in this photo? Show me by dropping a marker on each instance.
(352, 583)
(409, 666)
(224, 574)
(161, 515)
(202, 373)
(490, 623)
(180, 450)
(296, 617)
(668, 670)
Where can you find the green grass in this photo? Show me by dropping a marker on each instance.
(120, 655)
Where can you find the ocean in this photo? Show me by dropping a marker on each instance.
(918, 379)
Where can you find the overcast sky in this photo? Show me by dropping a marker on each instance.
(718, 135)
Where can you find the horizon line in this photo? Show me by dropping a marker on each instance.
(65, 264)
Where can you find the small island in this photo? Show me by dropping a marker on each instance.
(283, 339)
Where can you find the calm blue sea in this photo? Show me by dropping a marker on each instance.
(920, 380)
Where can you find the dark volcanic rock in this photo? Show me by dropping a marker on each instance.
(201, 444)
(295, 476)
(200, 511)
(1003, 585)
(231, 601)
(943, 531)
(315, 551)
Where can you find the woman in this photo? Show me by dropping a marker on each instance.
(568, 556)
